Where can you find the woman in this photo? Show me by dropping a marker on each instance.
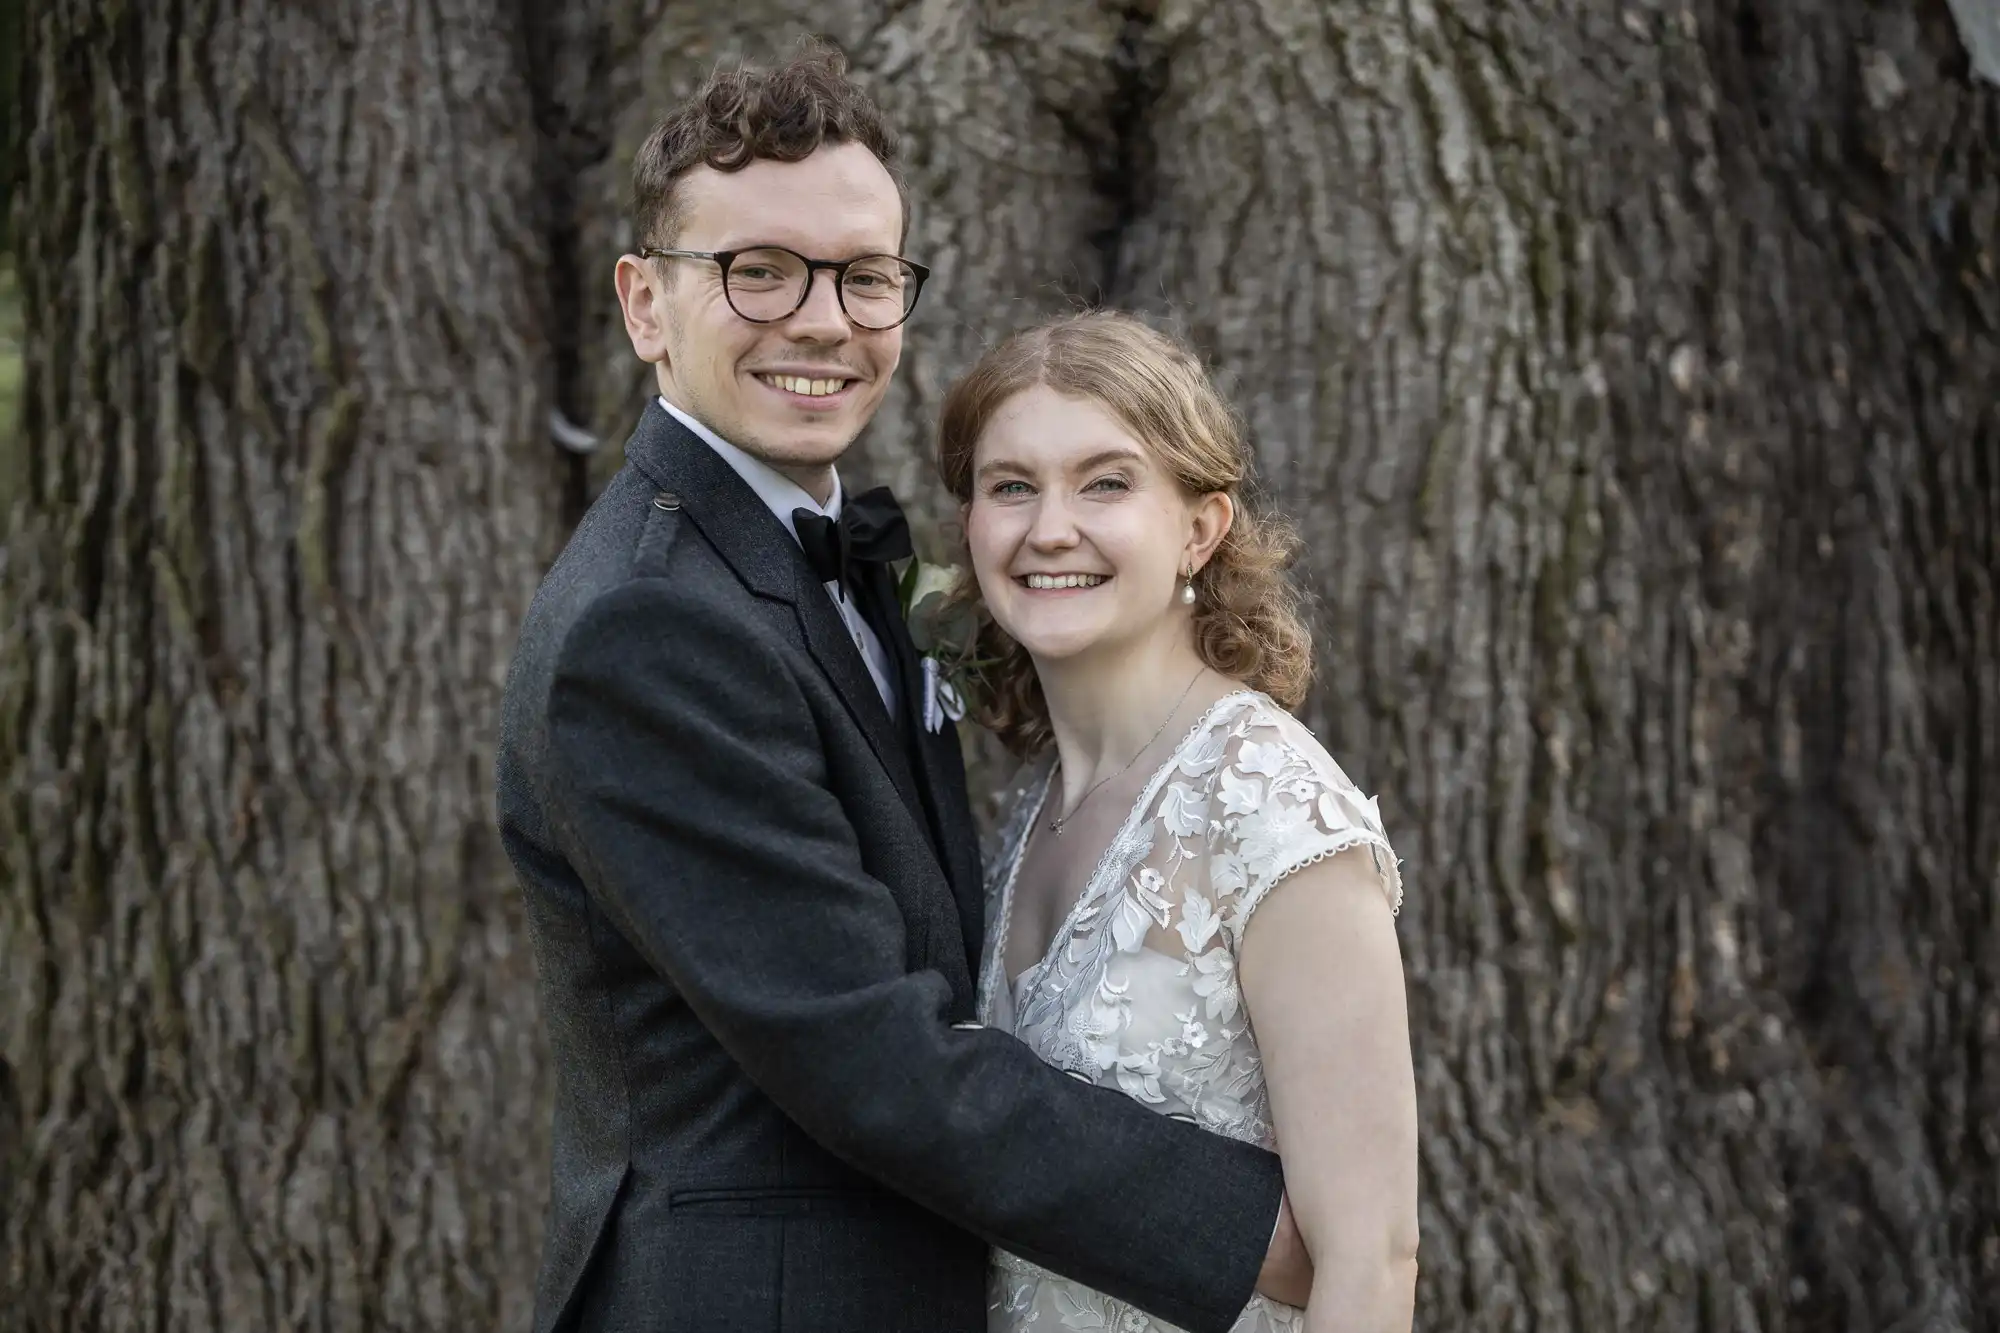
(1189, 862)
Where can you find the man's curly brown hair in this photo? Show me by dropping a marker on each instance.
(742, 115)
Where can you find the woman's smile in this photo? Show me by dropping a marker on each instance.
(1062, 582)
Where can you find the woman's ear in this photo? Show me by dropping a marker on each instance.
(1213, 513)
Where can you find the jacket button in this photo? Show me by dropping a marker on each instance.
(668, 501)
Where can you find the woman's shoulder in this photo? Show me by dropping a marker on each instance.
(1277, 801)
(1248, 726)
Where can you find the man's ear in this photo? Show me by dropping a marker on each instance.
(1213, 514)
(642, 299)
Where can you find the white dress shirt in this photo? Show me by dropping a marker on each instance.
(781, 495)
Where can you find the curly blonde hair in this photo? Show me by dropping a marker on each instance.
(1247, 622)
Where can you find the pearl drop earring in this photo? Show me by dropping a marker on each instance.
(1187, 589)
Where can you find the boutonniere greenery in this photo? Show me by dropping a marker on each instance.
(946, 632)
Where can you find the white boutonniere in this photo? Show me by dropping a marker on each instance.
(946, 632)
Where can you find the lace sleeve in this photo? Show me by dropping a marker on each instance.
(1252, 798)
(1279, 803)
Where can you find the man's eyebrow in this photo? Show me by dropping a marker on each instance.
(852, 252)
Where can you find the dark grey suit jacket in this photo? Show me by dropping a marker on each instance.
(755, 905)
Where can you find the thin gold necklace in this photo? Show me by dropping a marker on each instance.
(1056, 824)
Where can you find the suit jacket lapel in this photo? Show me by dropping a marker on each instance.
(940, 778)
(755, 544)
(835, 651)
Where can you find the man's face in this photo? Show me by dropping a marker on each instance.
(739, 378)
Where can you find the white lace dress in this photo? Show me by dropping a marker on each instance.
(1138, 988)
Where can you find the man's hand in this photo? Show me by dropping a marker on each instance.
(1287, 1275)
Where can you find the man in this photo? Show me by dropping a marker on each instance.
(750, 868)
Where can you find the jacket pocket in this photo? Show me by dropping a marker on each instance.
(779, 1200)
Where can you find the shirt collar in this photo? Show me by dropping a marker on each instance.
(780, 494)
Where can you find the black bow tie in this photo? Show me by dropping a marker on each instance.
(871, 528)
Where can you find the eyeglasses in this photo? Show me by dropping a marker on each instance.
(770, 283)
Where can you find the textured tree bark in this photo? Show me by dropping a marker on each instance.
(1628, 372)
(268, 1006)
(1624, 371)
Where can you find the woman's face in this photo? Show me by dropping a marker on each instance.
(1079, 538)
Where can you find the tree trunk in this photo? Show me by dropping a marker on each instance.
(1627, 369)
(1628, 373)
(268, 1002)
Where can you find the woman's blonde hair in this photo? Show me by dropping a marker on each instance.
(1246, 614)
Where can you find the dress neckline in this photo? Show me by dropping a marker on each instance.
(1092, 887)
